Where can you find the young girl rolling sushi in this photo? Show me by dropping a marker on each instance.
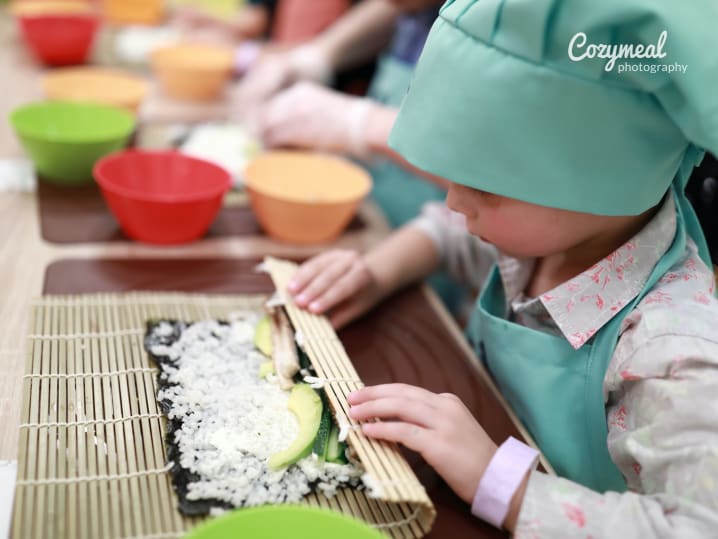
(597, 316)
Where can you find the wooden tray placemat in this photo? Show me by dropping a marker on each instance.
(404, 340)
(80, 215)
(205, 275)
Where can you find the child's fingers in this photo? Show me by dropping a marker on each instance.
(348, 280)
(408, 410)
(324, 281)
(390, 390)
(309, 270)
(412, 436)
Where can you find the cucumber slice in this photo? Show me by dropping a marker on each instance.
(322, 439)
(335, 449)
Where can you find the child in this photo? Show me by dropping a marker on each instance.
(597, 315)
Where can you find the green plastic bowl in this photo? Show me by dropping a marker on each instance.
(65, 139)
(277, 521)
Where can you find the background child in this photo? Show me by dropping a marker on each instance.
(597, 310)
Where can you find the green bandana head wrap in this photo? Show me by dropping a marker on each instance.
(594, 106)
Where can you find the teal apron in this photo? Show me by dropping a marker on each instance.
(557, 391)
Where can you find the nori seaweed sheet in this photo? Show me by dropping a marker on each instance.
(181, 477)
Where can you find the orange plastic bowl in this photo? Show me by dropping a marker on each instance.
(193, 72)
(106, 86)
(305, 198)
(58, 32)
(162, 197)
(134, 11)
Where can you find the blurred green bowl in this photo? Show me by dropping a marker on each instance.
(276, 521)
(65, 139)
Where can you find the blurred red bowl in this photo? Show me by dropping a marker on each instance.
(162, 197)
(59, 33)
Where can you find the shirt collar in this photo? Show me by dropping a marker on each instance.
(585, 303)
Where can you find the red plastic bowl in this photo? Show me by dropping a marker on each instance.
(162, 197)
(60, 39)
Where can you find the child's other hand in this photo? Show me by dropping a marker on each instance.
(438, 426)
(339, 283)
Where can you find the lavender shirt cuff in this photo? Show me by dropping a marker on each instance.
(503, 476)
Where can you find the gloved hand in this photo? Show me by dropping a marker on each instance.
(310, 116)
(274, 71)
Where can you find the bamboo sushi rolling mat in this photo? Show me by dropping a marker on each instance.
(92, 453)
(392, 477)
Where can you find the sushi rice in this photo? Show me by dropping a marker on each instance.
(231, 420)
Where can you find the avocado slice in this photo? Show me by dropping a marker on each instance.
(306, 404)
(266, 368)
(263, 336)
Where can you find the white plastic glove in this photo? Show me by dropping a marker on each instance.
(310, 116)
(274, 71)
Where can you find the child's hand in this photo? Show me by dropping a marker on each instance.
(439, 427)
(338, 281)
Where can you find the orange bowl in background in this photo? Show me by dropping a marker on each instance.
(193, 72)
(98, 85)
(305, 198)
(58, 32)
(134, 11)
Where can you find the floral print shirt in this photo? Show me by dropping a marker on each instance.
(661, 386)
